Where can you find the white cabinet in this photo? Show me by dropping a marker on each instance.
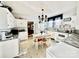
(58, 36)
(0, 50)
(3, 19)
(7, 20)
(23, 35)
(9, 49)
(22, 24)
(11, 20)
(62, 50)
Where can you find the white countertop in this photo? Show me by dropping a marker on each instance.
(62, 50)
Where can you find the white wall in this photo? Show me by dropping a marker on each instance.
(70, 12)
(77, 20)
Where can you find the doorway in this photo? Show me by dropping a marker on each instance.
(30, 28)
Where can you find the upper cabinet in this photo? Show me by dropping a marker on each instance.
(21, 23)
(7, 20)
(3, 19)
(11, 20)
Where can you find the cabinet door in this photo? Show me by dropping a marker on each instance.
(0, 49)
(24, 23)
(21, 23)
(10, 48)
(11, 20)
(0, 52)
(23, 35)
(3, 19)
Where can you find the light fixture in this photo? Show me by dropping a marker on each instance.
(42, 17)
(42, 22)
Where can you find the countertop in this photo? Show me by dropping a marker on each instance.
(73, 38)
(59, 31)
(12, 38)
(62, 50)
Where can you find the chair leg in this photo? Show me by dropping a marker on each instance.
(36, 45)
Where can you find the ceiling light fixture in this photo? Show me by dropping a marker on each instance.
(42, 17)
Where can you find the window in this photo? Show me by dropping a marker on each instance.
(50, 24)
(55, 21)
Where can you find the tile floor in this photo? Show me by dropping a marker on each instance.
(29, 50)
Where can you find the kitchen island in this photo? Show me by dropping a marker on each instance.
(66, 47)
(9, 48)
(62, 50)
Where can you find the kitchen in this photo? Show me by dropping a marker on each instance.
(61, 21)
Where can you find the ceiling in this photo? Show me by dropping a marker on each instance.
(30, 9)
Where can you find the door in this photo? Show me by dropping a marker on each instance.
(30, 28)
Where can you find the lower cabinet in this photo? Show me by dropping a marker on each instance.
(0, 50)
(9, 49)
(23, 36)
(62, 50)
